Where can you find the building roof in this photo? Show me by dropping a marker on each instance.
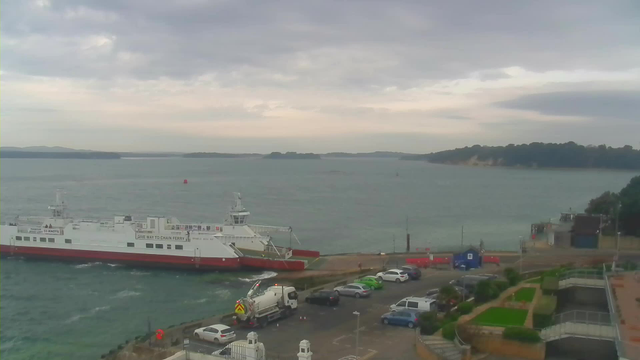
(469, 248)
(587, 224)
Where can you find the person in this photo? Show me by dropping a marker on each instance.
(360, 266)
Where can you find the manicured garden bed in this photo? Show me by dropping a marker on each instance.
(525, 294)
(537, 280)
(501, 317)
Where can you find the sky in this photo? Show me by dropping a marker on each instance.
(318, 76)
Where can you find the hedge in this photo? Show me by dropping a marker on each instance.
(501, 285)
(550, 285)
(521, 334)
(543, 311)
(465, 308)
(449, 331)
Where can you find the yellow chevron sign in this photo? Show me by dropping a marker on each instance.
(239, 309)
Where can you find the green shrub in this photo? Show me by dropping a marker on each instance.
(486, 291)
(450, 317)
(448, 293)
(501, 285)
(465, 308)
(429, 322)
(513, 277)
(543, 311)
(449, 331)
(549, 285)
(521, 334)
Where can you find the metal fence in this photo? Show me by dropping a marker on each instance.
(582, 274)
(583, 317)
(613, 314)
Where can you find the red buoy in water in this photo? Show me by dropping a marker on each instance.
(185, 181)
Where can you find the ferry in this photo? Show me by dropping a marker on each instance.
(157, 241)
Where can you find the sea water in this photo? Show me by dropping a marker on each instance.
(61, 310)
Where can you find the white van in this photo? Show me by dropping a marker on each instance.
(414, 303)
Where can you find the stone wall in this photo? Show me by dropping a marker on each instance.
(626, 242)
(496, 345)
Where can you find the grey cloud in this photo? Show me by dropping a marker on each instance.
(593, 104)
(354, 44)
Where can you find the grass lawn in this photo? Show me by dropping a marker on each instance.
(502, 317)
(537, 280)
(525, 294)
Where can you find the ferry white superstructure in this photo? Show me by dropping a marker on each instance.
(158, 240)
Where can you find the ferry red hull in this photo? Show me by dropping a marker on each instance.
(165, 261)
(149, 260)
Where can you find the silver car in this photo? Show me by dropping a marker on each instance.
(357, 290)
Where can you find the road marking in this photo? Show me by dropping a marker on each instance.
(360, 329)
(335, 341)
(370, 354)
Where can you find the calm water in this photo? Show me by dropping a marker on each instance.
(71, 311)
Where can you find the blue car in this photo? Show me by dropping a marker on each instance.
(402, 318)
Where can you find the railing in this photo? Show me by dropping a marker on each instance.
(583, 317)
(581, 274)
(613, 314)
(592, 331)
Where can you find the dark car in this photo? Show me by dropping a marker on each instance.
(413, 271)
(402, 318)
(324, 297)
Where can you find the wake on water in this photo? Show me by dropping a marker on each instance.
(264, 275)
(125, 293)
(88, 314)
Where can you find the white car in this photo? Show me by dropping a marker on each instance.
(393, 275)
(219, 334)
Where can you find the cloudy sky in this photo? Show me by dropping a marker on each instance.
(261, 76)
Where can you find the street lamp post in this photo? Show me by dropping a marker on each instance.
(521, 246)
(357, 314)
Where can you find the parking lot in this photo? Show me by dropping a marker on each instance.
(332, 330)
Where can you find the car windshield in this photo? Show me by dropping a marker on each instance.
(403, 273)
(227, 331)
(366, 287)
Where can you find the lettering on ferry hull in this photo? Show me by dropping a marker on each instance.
(160, 237)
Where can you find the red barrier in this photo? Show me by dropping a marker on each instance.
(491, 260)
(441, 261)
(305, 253)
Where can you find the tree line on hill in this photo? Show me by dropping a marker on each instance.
(567, 155)
(623, 206)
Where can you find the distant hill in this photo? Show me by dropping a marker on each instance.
(201, 155)
(42, 149)
(95, 155)
(375, 154)
(292, 155)
(567, 155)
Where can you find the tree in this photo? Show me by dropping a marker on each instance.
(486, 291)
(605, 204)
(512, 276)
(630, 207)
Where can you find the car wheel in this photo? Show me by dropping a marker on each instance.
(216, 341)
(197, 336)
(357, 295)
(398, 281)
(337, 292)
(380, 278)
(411, 325)
(385, 321)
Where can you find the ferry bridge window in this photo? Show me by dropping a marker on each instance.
(51, 240)
(26, 238)
(43, 239)
(158, 246)
(169, 246)
(19, 238)
(131, 245)
(178, 247)
(67, 241)
(149, 246)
